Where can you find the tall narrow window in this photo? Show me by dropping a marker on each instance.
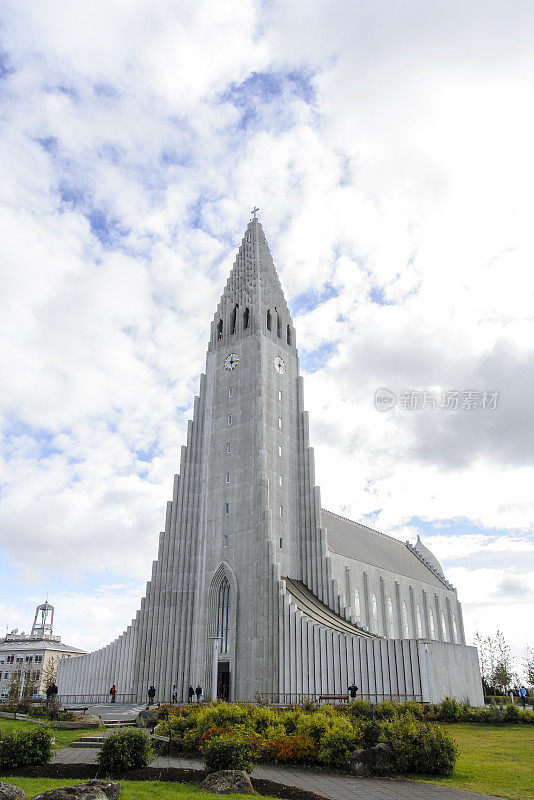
(432, 627)
(281, 511)
(228, 447)
(230, 391)
(444, 628)
(391, 619)
(279, 422)
(419, 622)
(279, 449)
(246, 315)
(227, 508)
(280, 395)
(405, 626)
(288, 334)
(229, 419)
(278, 325)
(279, 480)
(219, 330)
(374, 611)
(269, 322)
(225, 540)
(281, 543)
(356, 609)
(223, 615)
(233, 320)
(454, 630)
(227, 477)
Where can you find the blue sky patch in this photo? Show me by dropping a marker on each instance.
(307, 301)
(43, 440)
(312, 360)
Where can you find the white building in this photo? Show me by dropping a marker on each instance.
(299, 600)
(33, 653)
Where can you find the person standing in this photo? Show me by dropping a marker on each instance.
(523, 696)
(198, 692)
(174, 694)
(113, 692)
(353, 691)
(190, 694)
(151, 694)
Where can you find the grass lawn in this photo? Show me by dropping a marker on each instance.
(63, 738)
(131, 790)
(494, 759)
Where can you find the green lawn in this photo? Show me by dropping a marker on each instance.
(131, 790)
(63, 738)
(494, 759)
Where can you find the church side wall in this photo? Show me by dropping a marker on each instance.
(451, 670)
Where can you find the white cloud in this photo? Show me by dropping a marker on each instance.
(390, 156)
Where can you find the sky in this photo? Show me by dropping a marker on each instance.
(388, 146)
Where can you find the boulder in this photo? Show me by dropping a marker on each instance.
(228, 781)
(92, 790)
(10, 792)
(89, 720)
(148, 718)
(377, 760)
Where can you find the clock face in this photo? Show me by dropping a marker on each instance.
(231, 361)
(280, 365)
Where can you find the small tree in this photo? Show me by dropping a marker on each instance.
(50, 672)
(528, 666)
(15, 685)
(503, 672)
(30, 682)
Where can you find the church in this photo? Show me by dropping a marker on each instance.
(256, 588)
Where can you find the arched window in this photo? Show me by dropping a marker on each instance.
(278, 325)
(233, 320)
(246, 315)
(454, 630)
(223, 614)
(219, 330)
(356, 608)
(269, 322)
(405, 626)
(288, 334)
(374, 612)
(391, 619)
(432, 631)
(419, 622)
(443, 627)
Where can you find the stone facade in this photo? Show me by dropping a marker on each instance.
(300, 600)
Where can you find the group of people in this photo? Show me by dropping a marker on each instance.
(152, 694)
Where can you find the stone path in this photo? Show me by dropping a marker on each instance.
(332, 786)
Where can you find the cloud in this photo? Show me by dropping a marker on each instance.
(390, 156)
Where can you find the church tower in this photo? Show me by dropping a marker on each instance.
(245, 559)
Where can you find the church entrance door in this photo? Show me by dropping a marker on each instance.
(223, 680)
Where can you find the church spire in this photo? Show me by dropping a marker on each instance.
(253, 299)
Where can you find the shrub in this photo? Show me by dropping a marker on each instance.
(411, 707)
(360, 709)
(386, 710)
(512, 714)
(127, 749)
(297, 749)
(225, 752)
(449, 710)
(25, 749)
(369, 732)
(527, 717)
(336, 746)
(492, 715)
(420, 747)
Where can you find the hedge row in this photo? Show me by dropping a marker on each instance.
(325, 735)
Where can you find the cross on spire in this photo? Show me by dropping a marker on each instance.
(254, 211)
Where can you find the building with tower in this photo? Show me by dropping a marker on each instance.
(255, 582)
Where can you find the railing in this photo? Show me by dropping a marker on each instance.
(95, 699)
(297, 698)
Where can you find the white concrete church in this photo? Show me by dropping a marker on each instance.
(299, 601)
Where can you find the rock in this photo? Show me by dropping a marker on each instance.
(228, 781)
(377, 760)
(10, 792)
(89, 720)
(148, 718)
(92, 790)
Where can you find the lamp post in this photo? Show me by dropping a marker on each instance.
(214, 666)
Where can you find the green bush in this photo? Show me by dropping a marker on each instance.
(225, 752)
(337, 743)
(360, 709)
(420, 747)
(386, 710)
(512, 714)
(25, 749)
(449, 710)
(369, 733)
(127, 749)
(527, 717)
(411, 707)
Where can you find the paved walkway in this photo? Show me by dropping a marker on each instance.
(330, 785)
